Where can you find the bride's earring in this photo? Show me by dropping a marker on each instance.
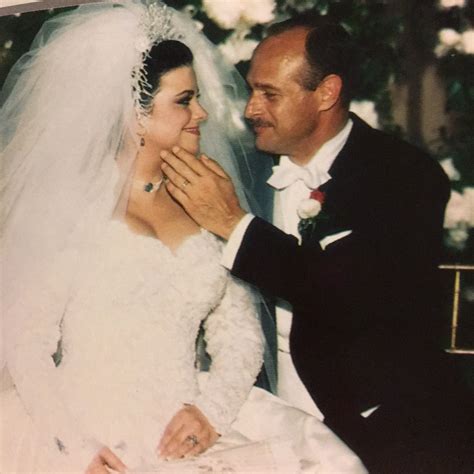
(141, 130)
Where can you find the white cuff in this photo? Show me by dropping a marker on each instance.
(233, 244)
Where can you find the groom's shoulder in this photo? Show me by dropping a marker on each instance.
(396, 153)
(387, 143)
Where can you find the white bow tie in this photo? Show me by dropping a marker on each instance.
(284, 176)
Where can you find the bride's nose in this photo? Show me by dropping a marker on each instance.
(199, 112)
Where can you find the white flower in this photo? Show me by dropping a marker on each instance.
(449, 37)
(457, 237)
(224, 12)
(236, 49)
(229, 13)
(308, 208)
(468, 194)
(452, 3)
(365, 109)
(142, 44)
(8, 44)
(189, 10)
(467, 40)
(440, 50)
(459, 217)
(450, 170)
(457, 211)
(468, 294)
(257, 11)
(199, 25)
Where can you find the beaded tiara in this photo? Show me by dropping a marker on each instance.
(154, 27)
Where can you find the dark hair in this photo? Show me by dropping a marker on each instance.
(162, 58)
(330, 49)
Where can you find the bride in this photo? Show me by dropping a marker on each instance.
(108, 284)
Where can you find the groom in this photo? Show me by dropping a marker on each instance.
(354, 251)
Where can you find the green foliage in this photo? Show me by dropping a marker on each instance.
(16, 35)
(377, 30)
(456, 141)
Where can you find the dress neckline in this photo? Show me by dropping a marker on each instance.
(188, 241)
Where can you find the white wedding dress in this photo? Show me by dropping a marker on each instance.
(120, 360)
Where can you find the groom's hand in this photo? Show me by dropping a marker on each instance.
(204, 190)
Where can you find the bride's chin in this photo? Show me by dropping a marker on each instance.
(194, 150)
(191, 144)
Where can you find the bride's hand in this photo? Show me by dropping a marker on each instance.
(104, 459)
(188, 433)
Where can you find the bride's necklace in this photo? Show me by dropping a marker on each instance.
(149, 186)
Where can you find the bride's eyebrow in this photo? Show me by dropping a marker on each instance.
(188, 92)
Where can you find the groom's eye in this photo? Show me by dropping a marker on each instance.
(269, 95)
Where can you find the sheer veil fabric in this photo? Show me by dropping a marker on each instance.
(68, 139)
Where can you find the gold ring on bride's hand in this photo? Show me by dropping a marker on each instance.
(185, 183)
(192, 439)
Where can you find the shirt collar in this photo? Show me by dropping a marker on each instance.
(322, 160)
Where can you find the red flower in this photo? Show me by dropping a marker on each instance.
(318, 196)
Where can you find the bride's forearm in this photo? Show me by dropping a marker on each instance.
(235, 343)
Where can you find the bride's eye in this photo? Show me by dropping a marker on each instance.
(186, 100)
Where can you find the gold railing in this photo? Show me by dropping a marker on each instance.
(457, 269)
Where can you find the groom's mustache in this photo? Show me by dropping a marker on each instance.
(256, 123)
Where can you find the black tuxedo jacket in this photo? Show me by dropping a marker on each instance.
(365, 322)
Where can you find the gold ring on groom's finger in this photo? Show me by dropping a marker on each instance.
(192, 439)
(185, 183)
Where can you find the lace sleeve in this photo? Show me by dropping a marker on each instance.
(32, 331)
(235, 343)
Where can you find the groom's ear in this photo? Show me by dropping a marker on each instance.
(329, 91)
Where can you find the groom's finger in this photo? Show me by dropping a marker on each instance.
(171, 162)
(214, 166)
(179, 195)
(184, 163)
(175, 178)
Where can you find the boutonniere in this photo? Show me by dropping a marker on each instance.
(310, 211)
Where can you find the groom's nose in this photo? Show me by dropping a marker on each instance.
(252, 108)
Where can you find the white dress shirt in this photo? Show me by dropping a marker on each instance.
(285, 217)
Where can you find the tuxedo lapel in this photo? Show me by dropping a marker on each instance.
(353, 158)
(346, 172)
